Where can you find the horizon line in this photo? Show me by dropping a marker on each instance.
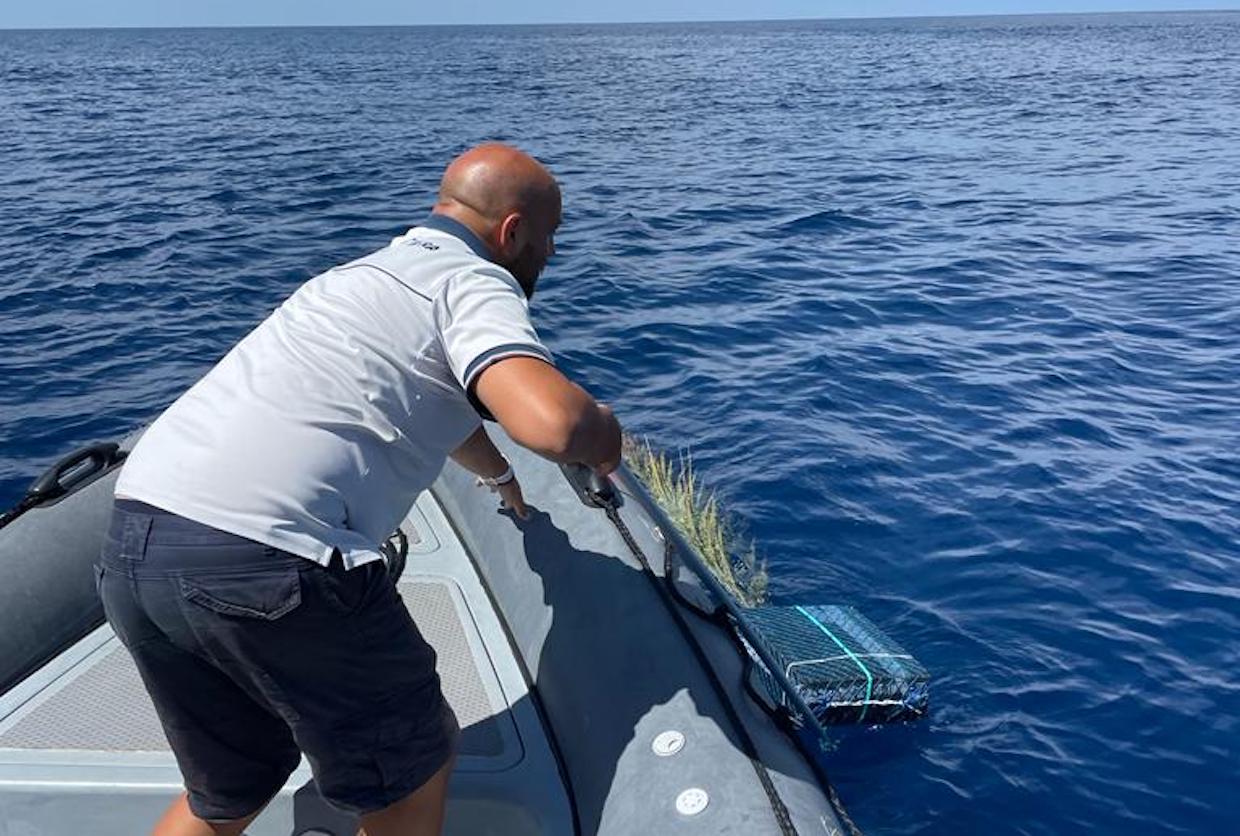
(790, 19)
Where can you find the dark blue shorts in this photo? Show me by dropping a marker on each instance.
(253, 656)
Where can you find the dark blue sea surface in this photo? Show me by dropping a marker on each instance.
(948, 311)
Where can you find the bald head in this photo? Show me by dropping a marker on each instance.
(509, 200)
(491, 180)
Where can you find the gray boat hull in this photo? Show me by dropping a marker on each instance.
(604, 673)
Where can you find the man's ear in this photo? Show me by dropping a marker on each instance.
(508, 229)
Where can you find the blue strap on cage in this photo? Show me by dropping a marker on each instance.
(869, 679)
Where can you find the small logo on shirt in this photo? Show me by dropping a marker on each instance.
(424, 244)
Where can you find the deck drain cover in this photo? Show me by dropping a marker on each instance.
(692, 801)
(668, 743)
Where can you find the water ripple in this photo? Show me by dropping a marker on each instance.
(949, 309)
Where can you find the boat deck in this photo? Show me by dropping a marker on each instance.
(81, 750)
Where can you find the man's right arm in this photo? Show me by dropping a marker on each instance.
(543, 410)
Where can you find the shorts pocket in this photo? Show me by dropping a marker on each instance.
(265, 596)
(347, 590)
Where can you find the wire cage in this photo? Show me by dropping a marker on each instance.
(845, 668)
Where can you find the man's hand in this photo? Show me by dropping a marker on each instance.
(613, 428)
(479, 455)
(510, 496)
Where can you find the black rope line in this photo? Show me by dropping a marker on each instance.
(782, 817)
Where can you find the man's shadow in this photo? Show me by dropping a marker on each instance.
(611, 653)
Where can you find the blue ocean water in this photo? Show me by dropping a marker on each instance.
(948, 311)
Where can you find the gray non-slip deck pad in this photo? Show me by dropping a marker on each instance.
(106, 709)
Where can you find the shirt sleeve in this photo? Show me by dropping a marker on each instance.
(483, 317)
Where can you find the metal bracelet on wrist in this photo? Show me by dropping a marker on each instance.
(502, 479)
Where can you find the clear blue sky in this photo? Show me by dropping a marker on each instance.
(87, 13)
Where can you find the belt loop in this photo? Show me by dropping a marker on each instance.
(134, 534)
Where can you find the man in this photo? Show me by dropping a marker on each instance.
(242, 567)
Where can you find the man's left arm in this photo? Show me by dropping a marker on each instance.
(479, 455)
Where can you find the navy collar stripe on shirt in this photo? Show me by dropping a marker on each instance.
(442, 223)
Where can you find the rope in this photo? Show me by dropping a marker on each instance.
(869, 679)
(16, 511)
(780, 810)
(782, 816)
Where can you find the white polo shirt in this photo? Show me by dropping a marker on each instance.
(319, 429)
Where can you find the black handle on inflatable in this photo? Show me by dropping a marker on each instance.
(593, 490)
(67, 475)
(73, 470)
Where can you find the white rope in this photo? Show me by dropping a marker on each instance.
(788, 672)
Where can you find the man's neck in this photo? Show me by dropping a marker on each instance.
(453, 225)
